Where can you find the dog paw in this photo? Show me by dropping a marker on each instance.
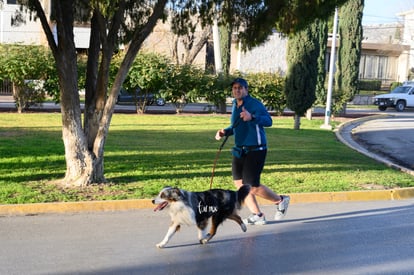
(243, 227)
(160, 245)
(204, 241)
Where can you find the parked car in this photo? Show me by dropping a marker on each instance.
(399, 98)
(138, 97)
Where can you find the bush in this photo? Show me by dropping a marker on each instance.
(370, 85)
(32, 93)
(26, 67)
(268, 87)
(182, 84)
(217, 89)
(395, 85)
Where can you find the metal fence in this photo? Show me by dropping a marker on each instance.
(6, 87)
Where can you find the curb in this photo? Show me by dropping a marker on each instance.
(73, 207)
(124, 205)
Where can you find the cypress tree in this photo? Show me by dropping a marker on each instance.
(320, 82)
(302, 59)
(349, 52)
(225, 46)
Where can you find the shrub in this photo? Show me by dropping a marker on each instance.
(370, 85)
(268, 87)
(25, 67)
(395, 85)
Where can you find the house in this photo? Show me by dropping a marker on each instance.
(385, 54)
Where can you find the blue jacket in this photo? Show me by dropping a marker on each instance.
(249, 133)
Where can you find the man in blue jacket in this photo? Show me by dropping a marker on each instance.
(248, 119)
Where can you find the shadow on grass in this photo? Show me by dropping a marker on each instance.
(174, 154)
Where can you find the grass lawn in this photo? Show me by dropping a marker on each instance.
(143, 153)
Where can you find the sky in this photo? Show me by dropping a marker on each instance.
(385, 11)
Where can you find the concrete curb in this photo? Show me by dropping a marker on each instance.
(123, 205)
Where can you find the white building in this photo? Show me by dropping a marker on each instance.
(408, 34)
(31, 31)
(13, 33)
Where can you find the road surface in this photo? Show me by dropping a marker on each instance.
(374, 237)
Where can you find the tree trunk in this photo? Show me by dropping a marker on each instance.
(79, 160)
(192, 54)
(18, 98)
(297, 122)
(222, 107)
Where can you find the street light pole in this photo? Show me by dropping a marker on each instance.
(1, 24)
(217, 50)
(327, 125)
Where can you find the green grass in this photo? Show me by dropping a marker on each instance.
(143, 153)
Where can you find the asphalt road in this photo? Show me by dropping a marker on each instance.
(391, 137)
(387, 137)
(374, 237)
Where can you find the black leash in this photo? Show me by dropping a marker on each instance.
(215, 160)
(219, 151)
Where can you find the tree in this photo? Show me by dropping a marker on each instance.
(225, 34)
(302, 56)
(111, 22)
(349, 52)
(130, 22)
(320, 91)
(185, 29)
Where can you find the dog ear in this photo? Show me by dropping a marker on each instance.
(176, 194)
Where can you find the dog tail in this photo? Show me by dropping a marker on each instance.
(242, 194)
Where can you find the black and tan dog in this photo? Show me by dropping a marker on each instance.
(198, 207)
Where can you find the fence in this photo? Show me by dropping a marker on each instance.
(6, 87)
(363, 100)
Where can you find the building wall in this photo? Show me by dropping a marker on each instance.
(268, 57)
(408, 34)
(161, 40)
(29, 33)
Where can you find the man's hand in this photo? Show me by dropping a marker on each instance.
(245, 115)
(220, 133)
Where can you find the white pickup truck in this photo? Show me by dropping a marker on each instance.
(399, 98)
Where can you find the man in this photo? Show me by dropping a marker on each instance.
(248, 119)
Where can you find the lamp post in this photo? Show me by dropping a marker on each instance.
(327, 125)
(217, 50)
(1, 23)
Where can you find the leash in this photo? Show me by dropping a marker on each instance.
(219, 151)
(215, 160)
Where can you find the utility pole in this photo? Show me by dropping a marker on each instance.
(217, 50)
(1, 23)
(327, 125)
